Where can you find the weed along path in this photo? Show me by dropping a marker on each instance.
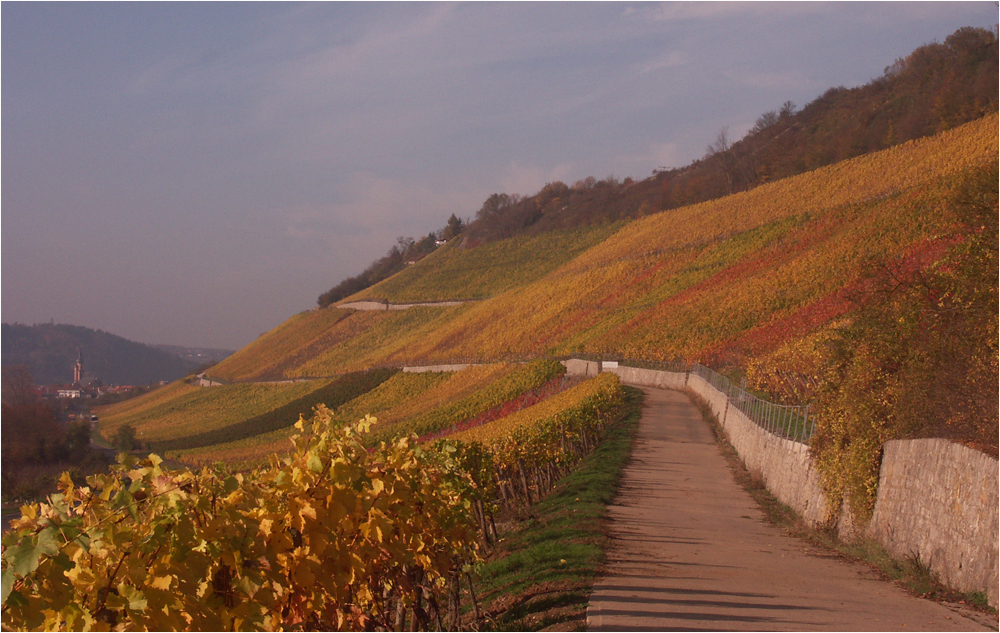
(691, 550)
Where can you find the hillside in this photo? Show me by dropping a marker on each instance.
(937, 87)
(50, 351)
(453, 272)
(797, 285)
(246, 423)
(724, 282)
(866, 288)
(378, 469)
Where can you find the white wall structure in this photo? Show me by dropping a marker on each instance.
(427, 368)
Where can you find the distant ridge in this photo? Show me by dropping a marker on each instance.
(50, 350)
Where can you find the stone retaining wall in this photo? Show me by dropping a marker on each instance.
(426, 368)
(783, 464)
(583, 368)
(383, 305)
(936, 499)
(650, 377)
(364, 305)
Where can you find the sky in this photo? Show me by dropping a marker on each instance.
(196, 173)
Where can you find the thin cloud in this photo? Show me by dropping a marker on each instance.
(673, 59)
(528, 180)
(681, 11)
(790, 81)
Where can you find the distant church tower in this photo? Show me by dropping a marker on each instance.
(78, 368)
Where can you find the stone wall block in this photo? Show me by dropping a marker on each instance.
(577, 367)
(938, 500)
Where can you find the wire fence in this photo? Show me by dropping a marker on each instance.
(793, 422)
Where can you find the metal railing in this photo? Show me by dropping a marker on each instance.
(793, 422)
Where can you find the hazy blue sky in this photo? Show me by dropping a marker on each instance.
(196, 173)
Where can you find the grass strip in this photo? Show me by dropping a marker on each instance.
(541, 574)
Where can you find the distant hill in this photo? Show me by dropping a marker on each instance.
(50, 351)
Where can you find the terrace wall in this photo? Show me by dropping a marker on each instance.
(784, 465)
(435, 368)
(583, 368)
(939, 501)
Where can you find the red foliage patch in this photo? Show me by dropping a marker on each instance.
(810, 317)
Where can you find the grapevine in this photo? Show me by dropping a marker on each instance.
(336, 536)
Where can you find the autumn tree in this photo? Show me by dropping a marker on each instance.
(765, 121)
(452, 229)
(18, 385)
(496, 219)
(124, 439)
(718, 153)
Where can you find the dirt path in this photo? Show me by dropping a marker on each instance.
(692, 551)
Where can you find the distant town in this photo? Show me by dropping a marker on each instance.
(79, 388)
(69, 361)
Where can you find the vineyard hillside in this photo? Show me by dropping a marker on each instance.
(456, 272)
(938, 87)
(760, 285)
(182, 409)
(349, 469)
(723, 282)
(245, 423)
